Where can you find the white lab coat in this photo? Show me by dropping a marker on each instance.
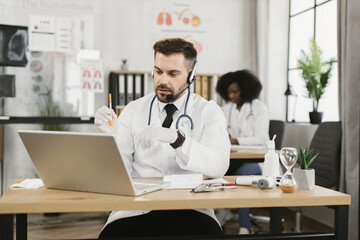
(250, 125)
(206, 148)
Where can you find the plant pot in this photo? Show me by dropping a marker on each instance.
(124, 67)
(315, 117)
(304, 178)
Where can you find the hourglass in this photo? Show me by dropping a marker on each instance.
(288, 157)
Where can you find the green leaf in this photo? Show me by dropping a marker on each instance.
(306, 157)
(312, 159)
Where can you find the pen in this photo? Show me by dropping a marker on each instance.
(110, 121)
(223, 184)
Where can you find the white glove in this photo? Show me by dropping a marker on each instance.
(102, 117)
(150, 134)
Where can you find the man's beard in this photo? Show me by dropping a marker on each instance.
(162, 97)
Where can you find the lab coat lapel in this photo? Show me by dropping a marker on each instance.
(156, 111)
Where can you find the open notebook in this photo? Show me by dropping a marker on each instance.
(89, 162)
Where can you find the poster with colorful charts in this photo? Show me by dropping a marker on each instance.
(42, 33)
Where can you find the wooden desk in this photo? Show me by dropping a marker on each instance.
(248, 153)
(22, 202)
(241, 155)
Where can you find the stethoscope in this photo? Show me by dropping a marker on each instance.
(247, 117)
(184, 115)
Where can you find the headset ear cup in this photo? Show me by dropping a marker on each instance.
(192, 74)
(152, 74)
(189, 78)
(193, 79)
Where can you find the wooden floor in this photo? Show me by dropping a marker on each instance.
(89, 225)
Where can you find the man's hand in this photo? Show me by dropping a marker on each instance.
(150, 134)
(102, 117)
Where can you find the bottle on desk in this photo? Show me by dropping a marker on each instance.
(271, 167)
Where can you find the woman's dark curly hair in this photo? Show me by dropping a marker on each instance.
(248, 83)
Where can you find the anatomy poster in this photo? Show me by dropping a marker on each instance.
(207, 28)
(92, 76)
(67, 35)
(52, 34)
(42, 33)
(174, 19)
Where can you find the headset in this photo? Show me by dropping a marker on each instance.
(191, 76)
(190, 79)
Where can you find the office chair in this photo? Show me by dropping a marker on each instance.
(327, 142)
(277, 127)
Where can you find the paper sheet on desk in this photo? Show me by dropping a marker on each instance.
(183, 181)
(28, 184)
(248, 147)
(251, 148)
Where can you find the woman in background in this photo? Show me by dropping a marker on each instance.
(247, 123)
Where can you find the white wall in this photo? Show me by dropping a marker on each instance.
(272, 34)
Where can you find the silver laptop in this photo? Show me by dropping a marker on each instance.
(89, 162)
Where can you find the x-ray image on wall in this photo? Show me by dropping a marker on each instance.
(13, 45)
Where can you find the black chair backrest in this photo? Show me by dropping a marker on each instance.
(277, 127)
(327, 142)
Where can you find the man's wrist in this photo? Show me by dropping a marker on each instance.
(179, 140)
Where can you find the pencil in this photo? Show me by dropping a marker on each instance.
(110, 121)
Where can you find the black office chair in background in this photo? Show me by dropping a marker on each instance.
(327, 142)
(277, 127)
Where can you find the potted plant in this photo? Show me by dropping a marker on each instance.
(316, 73)
(124, 66)
(305, 176)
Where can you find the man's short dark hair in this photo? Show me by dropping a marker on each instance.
(248, 83)
(169, 46)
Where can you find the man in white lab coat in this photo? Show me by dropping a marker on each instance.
(156, 142)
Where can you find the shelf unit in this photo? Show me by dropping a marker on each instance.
(139, 82)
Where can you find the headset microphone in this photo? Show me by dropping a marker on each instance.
(172, 97)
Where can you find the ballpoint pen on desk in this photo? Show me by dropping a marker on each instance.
(110, 106)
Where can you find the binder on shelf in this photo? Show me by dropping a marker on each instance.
(145, 89)
(114, 89)
(198, 85)
(192, 87)
(213, 94)
(122, 89)
(138, 84)
(129, 88)
(205, 87)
